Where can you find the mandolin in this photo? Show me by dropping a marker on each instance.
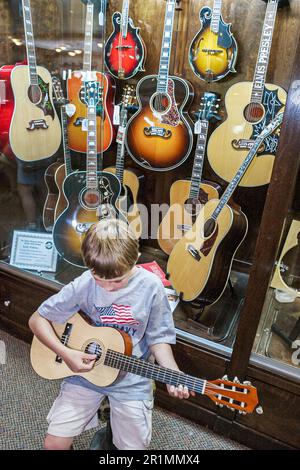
(187, 197)
(159, 135)
(77, 126)
(113, 348)
(91, 194)
(127, 202)
(250, 107)
(35, 132)
(125, 50)
(200, 263)
(213, 51)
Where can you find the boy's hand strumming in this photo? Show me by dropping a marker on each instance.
(79, 361)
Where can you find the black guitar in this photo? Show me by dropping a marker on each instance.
(91, 194)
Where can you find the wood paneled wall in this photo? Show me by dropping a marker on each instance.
(59, 23)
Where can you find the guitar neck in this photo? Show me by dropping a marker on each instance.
(264, 52)
(121, 145)
(102, 32)
(91, 153)
(216, 15)
(88, 38)
(163, 75)
(199, 160)
(29, 39)
(67, 154)
(152, 371)
(125, 17)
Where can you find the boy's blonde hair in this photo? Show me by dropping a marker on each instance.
(110, 248)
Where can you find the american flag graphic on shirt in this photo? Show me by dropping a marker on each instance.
(117, 314)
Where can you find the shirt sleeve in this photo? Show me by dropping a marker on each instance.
(61, 306)
(160, 327)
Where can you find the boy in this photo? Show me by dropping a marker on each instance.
(113, 292)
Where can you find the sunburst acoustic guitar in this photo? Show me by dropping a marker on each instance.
(187, 197)
(113, 350)
(213, 51)
(200, 263)
(35, 132)
(250, 107)
(159, 135)
(77, 125)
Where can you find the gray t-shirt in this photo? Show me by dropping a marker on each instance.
(141, 309)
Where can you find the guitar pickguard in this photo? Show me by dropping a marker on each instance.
(272, 106)
(172, 117)
(45, 104)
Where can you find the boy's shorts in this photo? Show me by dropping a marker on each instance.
(75, 410)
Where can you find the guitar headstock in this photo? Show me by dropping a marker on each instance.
(209, 106)
(232, 394)
(58, 91)
(129, 97)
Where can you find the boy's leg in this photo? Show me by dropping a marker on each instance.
(131, 423)
(73, 411)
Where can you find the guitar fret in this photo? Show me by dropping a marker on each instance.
(198, 161)
(162, 82)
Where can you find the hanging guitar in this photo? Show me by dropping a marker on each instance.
(125, 50)
(187, 197)
(250, 107)
(91, 194)
(77, 126)
(55, 174)
(213, 51)
(127, 202)
(159, 135)
(200, 263)
(113, 348)
(35, 132)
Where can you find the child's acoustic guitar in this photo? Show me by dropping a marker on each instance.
(113, 349)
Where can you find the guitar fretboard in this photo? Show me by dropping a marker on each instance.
(264, 52)
(125, 16)
(198, 160)
(91, 154)
(88, 38)
(121, 146)
(67, 154)
(29, 39)
(163, 75)
(216, 14)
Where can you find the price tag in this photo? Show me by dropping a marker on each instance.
(120, 135)
(116, 117)
(197, 129)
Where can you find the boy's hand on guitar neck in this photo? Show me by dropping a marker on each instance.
(78, 361)
(179, 392)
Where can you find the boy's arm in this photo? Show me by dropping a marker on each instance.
(77, 361)
(163, 355)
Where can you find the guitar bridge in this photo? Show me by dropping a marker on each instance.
(37, 124)
(65, 339)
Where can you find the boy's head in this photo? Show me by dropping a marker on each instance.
(110, 250)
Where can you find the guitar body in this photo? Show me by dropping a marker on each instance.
(205, 63)
(170, 230)
(205, 279)
(124, 57)
(82, 211)
(35, 132)
(62, 202)
(167, 141)
(6, 111)
(290, 262)
(225, 147)
(52, 196)
(44, 361)
(76, 136)
(128, 200)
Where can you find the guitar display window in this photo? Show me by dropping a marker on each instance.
(181, 119)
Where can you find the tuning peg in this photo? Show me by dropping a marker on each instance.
(236, 380)
(225, 377)
(242, 412)
(259, 410)
(247, 382)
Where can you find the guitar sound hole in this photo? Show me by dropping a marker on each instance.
(254, 112)
(94, 348)
(209, 228)
(91, 198)
(34, 94)
(161, 102)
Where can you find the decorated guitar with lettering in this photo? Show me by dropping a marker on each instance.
(35, 132)
(77, 125)
(159, 135)
(91, 194)
(187, 197)
(213, 51)
(113, 349)
(250, 107)
(127, 202)
(200, 263)
(125, 49)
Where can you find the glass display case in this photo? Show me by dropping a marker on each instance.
(168, 114)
